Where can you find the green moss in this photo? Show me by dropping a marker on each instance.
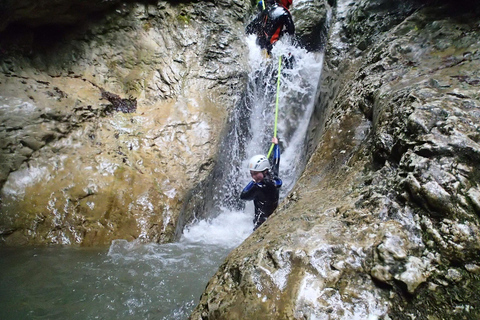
(132, 87)
(450, 301)
(147, 26)
(183, 17)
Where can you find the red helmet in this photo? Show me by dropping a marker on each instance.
(285, 3)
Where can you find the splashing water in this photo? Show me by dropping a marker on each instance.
(228, 229)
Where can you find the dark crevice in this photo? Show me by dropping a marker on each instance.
(403, 290)
(381, 284)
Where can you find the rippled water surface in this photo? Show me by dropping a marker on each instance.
(126, 281)
(146, 282)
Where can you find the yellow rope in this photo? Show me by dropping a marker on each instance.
(276, 105)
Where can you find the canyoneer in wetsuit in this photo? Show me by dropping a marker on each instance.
(265, 186)
(272, 23)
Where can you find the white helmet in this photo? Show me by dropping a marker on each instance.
(258, 163)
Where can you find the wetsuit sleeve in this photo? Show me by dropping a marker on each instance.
(276, 160)
(278, 182)
(248, 193)
(253, 26)
(290, 27)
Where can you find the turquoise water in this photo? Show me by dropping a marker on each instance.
(127, 281)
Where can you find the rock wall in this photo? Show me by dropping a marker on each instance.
(384, 222)
(110, 114)
(113, 113)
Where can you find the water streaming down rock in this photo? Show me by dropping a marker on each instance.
(251, 125)
(355, 243)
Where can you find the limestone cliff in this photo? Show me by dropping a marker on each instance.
(111, 113)
(384, 222)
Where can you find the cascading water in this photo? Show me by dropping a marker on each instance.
(296, 95)
(151, 281)
(251, 125)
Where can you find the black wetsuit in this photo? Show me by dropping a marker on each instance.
(256, 27)
(270, 25)
(265, 194)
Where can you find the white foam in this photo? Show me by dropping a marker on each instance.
(228, 229)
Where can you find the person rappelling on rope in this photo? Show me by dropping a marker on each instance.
(272, 23)
(264, 189)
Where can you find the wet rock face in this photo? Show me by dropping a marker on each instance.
(48, 12)
(311, 19)
(111, 113)
(384, 223)
(107, 123)
(119, 104)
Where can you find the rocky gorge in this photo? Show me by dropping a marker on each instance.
(383, 223)
(79, 167)
(112, 115)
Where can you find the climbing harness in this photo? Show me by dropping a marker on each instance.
(276, 105)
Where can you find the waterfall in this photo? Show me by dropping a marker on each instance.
(251, 126)
(298, 85)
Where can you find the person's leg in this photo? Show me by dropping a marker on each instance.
(258, 220)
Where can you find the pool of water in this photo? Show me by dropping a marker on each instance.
(128, 280)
